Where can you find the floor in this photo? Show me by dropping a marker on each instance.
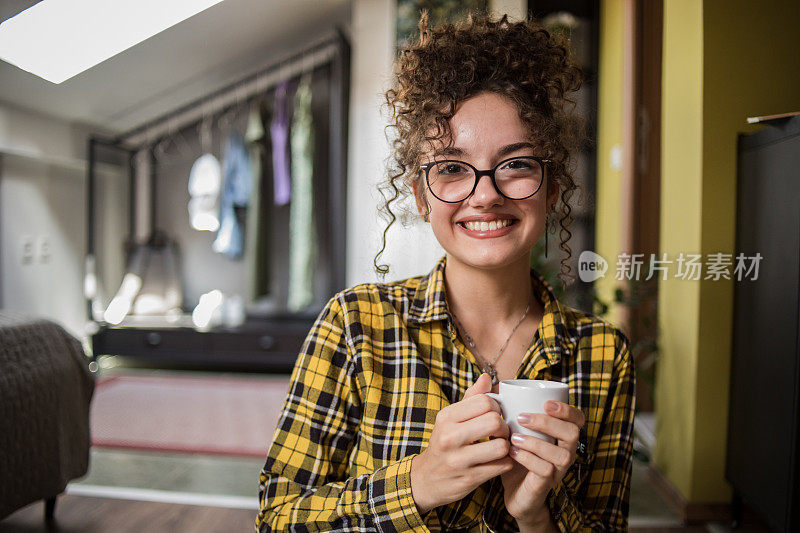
(132, 491)
(80, 514)
(192, 473)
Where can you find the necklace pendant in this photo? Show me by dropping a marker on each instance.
(489, 369)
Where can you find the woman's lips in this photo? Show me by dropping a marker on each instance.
(487, 233)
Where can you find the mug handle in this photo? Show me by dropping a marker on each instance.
(496, 397)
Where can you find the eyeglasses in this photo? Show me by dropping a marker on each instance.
(454, 181)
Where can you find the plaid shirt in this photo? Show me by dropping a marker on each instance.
(380, 362)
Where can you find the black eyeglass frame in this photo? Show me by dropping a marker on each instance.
(480, 173)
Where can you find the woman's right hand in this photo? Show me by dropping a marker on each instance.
(454, 463)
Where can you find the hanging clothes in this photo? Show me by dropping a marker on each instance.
(279, 129)
(302, 233)
(257, 226)
(205, 179)
(235, 196)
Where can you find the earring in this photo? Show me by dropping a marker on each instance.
(425, 217)
(546, 231)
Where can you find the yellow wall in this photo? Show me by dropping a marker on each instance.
(681, 193)
(609, 134)
(723, 60)
(752, 67)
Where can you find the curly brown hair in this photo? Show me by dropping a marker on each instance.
(452, 62)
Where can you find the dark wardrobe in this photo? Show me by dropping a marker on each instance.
(271, 334)
(763, 463)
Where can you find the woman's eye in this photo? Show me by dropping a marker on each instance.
(518, 164)
(451, 168)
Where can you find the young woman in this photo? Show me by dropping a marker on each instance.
(387, 426)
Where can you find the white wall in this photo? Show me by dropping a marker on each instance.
(515, 9)
(43, 200)
(411, 249)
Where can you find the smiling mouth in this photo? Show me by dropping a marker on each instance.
(486, 226)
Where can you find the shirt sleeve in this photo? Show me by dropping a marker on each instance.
(305, 484)
(604, 504)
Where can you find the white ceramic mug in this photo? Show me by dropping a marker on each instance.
(519, 396)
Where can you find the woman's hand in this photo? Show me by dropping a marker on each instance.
(454, 463)
(541, 465)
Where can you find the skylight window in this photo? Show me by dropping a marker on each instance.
(58, 39)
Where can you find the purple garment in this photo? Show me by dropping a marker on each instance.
(279, 130)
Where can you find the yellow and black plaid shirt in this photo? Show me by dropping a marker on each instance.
(380, 362)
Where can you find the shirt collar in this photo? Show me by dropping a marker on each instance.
(558, 337)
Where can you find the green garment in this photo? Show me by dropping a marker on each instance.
(256, 235)
(302, 233)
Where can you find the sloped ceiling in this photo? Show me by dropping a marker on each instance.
(196, 57)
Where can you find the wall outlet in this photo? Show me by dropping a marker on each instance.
(26, 249)
(43, 247)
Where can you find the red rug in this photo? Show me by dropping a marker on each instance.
(225, 415)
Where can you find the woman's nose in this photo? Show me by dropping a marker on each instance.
(485, 193)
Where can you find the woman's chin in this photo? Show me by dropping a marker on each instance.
(491, 259)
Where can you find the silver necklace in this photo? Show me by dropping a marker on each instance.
(489, 367)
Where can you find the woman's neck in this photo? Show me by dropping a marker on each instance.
(485, 298)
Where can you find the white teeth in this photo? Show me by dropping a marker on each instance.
(486, 226)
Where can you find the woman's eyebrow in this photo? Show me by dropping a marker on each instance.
(505, 150)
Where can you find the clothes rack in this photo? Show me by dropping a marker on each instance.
(237, 93)
(263, 341)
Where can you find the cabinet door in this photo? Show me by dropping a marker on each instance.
(764, 372)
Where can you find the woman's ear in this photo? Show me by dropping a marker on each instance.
(419, 199)
(552, 195)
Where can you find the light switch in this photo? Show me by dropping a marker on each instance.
(26, 249)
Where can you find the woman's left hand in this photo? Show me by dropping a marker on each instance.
(541, 465)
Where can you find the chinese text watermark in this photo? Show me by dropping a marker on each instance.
(716, 266)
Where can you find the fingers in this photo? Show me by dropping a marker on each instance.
(558, 456)
(534, 464)
(485, 452)
(482, 384)
(453, 463)
(566, 412)
(562, 430)
(489, 424)
(469, 421)
(491, 469)
(469, 408)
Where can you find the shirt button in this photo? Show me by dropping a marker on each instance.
(581, 448)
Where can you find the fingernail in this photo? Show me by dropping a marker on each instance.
(513, 450)
(551, 406)
(517, 438)
(524, 418)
